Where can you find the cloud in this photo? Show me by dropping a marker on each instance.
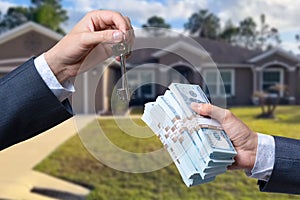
(141, 10)
(4, 5)
(283, 15)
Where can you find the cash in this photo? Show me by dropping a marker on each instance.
(198, 146)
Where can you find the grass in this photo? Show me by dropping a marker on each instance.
(73, 162)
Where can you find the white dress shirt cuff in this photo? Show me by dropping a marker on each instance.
(61, 91)
(265, 158)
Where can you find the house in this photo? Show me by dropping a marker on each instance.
(230, 75)
(31, 39)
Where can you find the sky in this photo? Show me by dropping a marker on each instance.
(283, 15)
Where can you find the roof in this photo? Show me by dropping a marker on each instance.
(26, 27)
(150, 49)
(275, 51)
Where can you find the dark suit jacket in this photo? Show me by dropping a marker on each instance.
(27, 106)
(285, 177)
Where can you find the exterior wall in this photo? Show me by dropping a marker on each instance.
(243, 86)
(27, 45)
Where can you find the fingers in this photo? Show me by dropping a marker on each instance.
(210, 110)
(94, 38)
(102, 26)
(105, 19)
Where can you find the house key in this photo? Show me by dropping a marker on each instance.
(121, 49)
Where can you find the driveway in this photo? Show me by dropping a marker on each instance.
(19, 181)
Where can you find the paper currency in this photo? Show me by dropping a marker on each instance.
(198, 146)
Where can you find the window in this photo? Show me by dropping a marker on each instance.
(270, 78)
(219, 83)
(142, 83)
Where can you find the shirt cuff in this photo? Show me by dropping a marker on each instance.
(265, 158)
(61, 91)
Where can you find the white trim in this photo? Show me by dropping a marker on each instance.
(26, 27)
(234, 65)
(275, 62)
(180, 45)
(227, 65)
(280, 51)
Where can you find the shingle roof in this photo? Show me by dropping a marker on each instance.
(220, 52)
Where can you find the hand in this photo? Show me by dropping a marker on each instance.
(244, 140)
(87, 43)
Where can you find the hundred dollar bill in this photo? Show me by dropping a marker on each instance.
(184, 152)
(190, 142)
(200, 153)
(187, 94)
(209, 130)
(180, 162)
(198, 146)
(201, 138)
(192, 125)
(173, 140)
(180, 136)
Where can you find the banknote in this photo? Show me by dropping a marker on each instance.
(180, 135)
(186, 94)
(198, 146)
(173, 143)
(188, 138)
(211, 131)
(205, 136)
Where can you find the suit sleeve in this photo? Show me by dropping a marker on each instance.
(285, 177)
(27, 106)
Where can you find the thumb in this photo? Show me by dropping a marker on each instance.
(209, 110)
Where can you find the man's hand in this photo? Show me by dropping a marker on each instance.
(244, 140)
(87, 43)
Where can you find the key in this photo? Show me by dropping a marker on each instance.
(121, 49)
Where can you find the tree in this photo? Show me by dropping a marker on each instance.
(229, 33)
(49, 13)
(14, 17)
(247, 33)
(156, 26)
(46, 12)
(204, 23)
(267, 36)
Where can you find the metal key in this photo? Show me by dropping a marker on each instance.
(121, 49)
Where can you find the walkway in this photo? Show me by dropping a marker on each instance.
(17, 179)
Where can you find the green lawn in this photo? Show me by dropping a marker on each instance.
(71, 161)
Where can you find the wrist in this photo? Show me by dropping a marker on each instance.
(265, 158)
(253, 145)
(59, 70)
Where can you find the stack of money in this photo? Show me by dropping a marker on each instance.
(198, 146)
